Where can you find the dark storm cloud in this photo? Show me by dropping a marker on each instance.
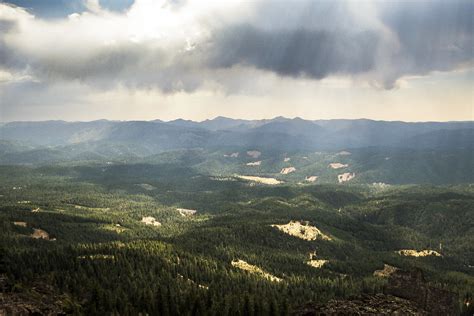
(433, 35)
(9, 58)
(104, 65)
(429, 35)
(313, 53)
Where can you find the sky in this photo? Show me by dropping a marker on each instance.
(166, 59)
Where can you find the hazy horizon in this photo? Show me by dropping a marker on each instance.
(233, 118)
(142, 60)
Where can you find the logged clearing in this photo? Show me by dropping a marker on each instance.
(24, 202)
(186, 212)
(386, 271)
(311, 178)
(40, 234)
(149, 220)
(270, 181)
(338, 165)
(288, 170)
(256, 163)
(254, 153)
(22, 224)
(416, 253)
(317, 263)
(314, 262)
(345, 177)
(241, 264)
(146, 186)
(287, 159)
(303, 231)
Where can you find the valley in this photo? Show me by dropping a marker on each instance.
(97, 230)
(209, 231)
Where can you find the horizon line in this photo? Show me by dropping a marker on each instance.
(232, 118)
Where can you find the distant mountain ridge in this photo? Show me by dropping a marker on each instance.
(221, 131)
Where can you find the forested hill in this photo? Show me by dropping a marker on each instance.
(289, 150)
(279, 132)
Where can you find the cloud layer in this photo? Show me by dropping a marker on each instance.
(189, 44)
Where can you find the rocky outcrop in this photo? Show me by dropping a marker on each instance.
(302, 230)
(406, 293)
(379, 304)
(411, 285)
(39, 299)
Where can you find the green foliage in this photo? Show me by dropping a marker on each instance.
(108, 261)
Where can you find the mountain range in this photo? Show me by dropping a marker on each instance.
(283, 133)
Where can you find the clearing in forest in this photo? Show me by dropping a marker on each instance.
(22, 224)
(41, 234)
(243, 265)
(288, 170)
(269, 181)
(416, 253)
(338, 165)
(255, 163)
(149, 220)
(314, 262)
(311, 178)
(317, 263)
(186, 212)
(345, 177)
(303, 231)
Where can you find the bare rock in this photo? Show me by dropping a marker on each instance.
(39, 299)
(407, 293)
(411, 285)
(379, 304)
